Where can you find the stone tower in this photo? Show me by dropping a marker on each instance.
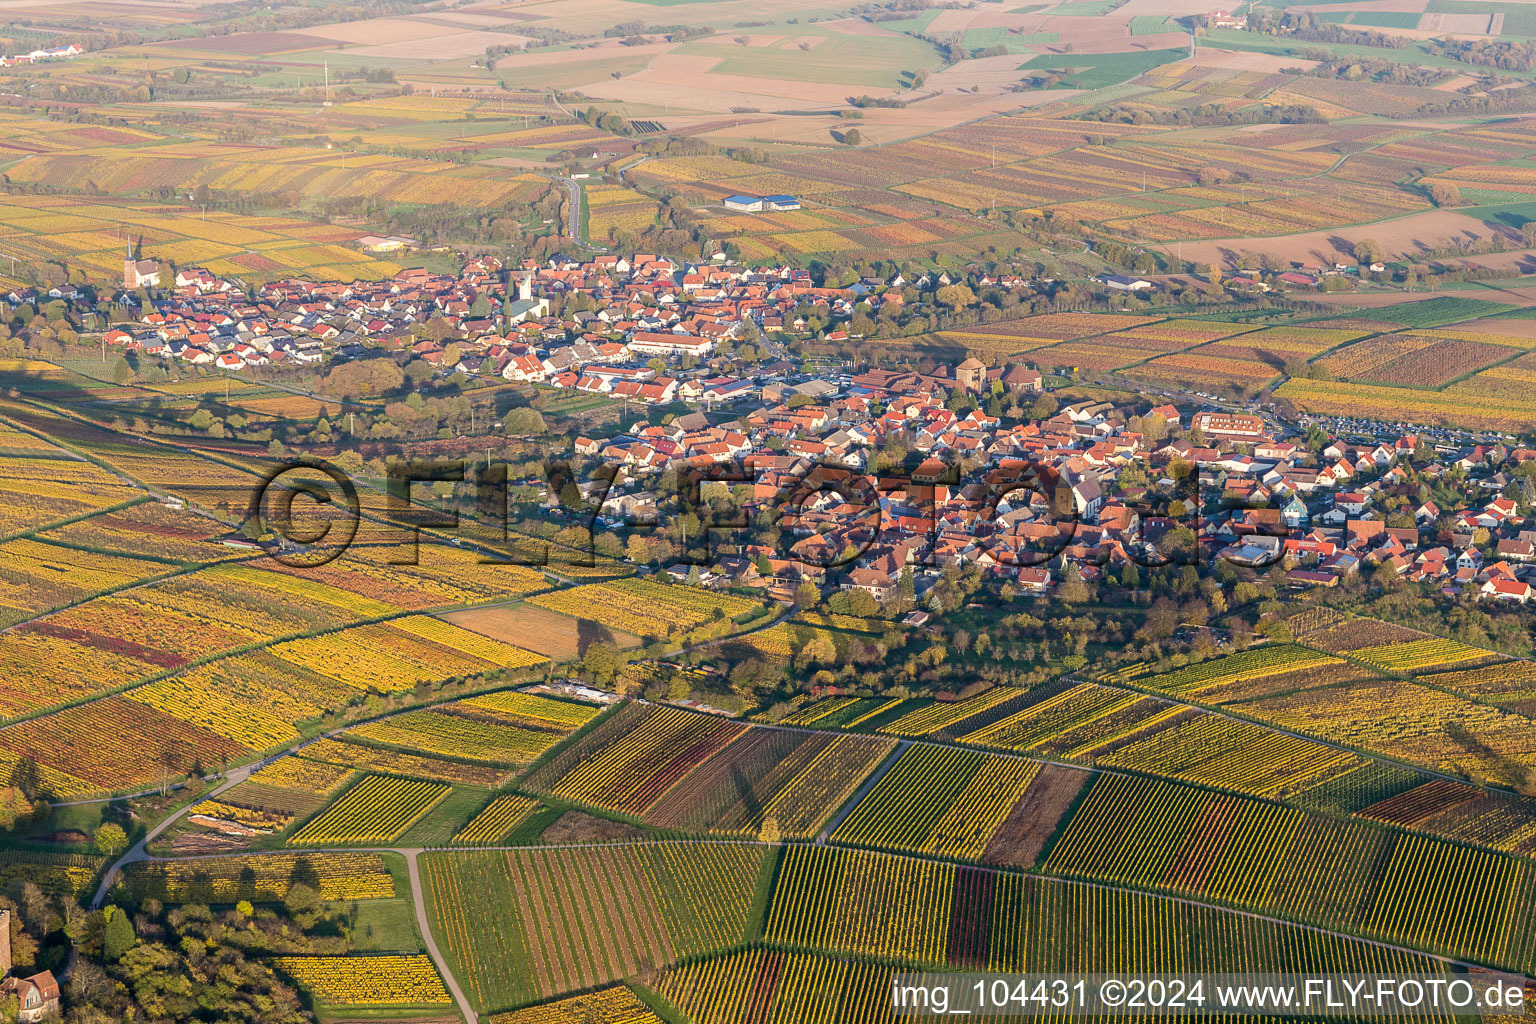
(5, 942)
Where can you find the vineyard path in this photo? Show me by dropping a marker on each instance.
(858, 798)
(419, 902)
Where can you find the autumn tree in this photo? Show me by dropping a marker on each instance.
(1444, 194)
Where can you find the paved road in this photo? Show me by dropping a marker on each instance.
(573, 218)
(418, 899)
(137, 851)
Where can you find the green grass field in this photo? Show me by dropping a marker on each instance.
(444, 821)
(1374, 19)
(1438, 312)
(1519, 19)
(1084, 8)
(1152, 24)
(1098, 70)
(856, 61)
(982, 38)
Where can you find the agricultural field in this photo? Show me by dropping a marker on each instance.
(205, 674)
(1271, 668)
(1072, 722)
(148, 528)
(1407, 722)
(829, 988)
(613, 210)
(772, 808)
(525, 925)
(92, 233)
(502, 729)
(1418, 360)
(1510, 684)
(309, 172)
(367, 981)
(57, 874)
(648, 609)
(47, 487)
(943, 719)
(376, 810)
(1430, 375)
(841, 712)
(402, 653)
(1441, 807)
(617, 1005)
(1217, 751)
(891, 908)
(498, 820)
(36, 576)
(342, 754)
(1404, 888)
(556, 636)
(262, 878)
(770, 783)
(939, 801)
(633, 758)
(780, 643)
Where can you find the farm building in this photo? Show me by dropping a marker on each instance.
(780, 204)
(387, 243)
(743, 204)
(1122, 283)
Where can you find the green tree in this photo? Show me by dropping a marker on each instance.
(303, 905)
(1042, 408)
(601, 662)
(524, 422)
(110, 839)
(119, 937)
(955, 296)
(1368, 251)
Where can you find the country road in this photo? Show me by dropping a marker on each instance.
(573, 218)
(138, 852)
(419, 902)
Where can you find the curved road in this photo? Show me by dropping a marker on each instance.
(139, 853)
